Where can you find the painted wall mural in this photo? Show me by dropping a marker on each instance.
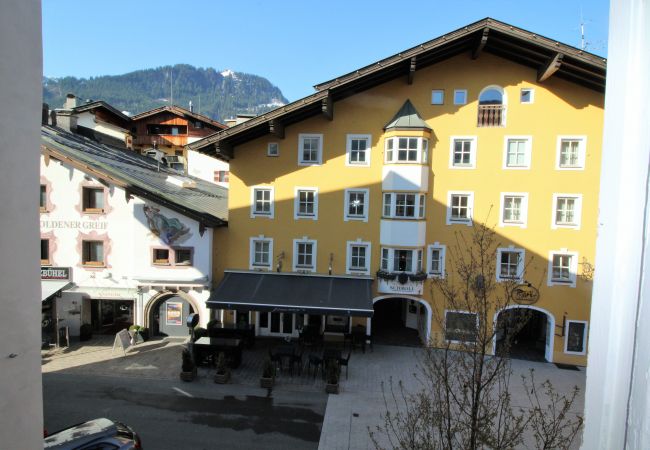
(170, 230)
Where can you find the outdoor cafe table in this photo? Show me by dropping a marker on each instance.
(232, 348)
(286, 352)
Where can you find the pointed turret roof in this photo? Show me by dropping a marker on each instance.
(407, 117)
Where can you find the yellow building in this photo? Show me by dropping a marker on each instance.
(339, 202)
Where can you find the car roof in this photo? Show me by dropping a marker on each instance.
(80, 434)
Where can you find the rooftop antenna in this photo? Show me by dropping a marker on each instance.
(583, 44)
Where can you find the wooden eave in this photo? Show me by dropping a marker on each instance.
(487, 35)
(202, 218)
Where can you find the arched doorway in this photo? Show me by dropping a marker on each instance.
(167, 315)
(400, 320)
(524, 332)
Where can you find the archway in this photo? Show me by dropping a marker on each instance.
(400, 320)
(524, 332)
(166, 314)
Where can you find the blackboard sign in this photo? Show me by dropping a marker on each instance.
(123, 340)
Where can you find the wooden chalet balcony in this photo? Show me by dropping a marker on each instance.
(491, 115)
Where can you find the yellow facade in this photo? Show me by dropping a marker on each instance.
(559, 108)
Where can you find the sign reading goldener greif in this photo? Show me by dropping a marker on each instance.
(55, 273)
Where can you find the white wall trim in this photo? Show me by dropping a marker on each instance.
(473, 150)
(529, 152)
(346, 204)
(254, 214)
(348, 259)
(582, 151)
(577, 211)
(296, 203)
(523, 223)
(584, 338)
(348, 149)
(407, 297)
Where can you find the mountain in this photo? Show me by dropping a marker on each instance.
(219, 95)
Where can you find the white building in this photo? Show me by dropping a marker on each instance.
(137, 236)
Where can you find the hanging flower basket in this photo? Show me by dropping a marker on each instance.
(403, 277)
(420, 276)
(386, 275)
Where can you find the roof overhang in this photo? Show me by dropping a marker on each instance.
(547, 56)
(50, 288)
(293, 293)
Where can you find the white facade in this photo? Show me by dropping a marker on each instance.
(127, 284)
(204, 166)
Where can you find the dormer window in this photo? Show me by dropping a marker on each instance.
(491, 107)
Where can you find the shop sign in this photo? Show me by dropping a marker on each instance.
(55, 273)
(74, 224)
(108, 292)
(395, 287)
(525, 294)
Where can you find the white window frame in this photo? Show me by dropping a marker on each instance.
(391, 258)
(462, 92)
(577, 211)
(348, 265)
(470, 208)
(528, 156)
(573, 268)
(438, 91)
(319, 152)
(582, 150)
(346, 204)
(523, 223)
(422, 152)
(314, 254)
(443, 255)
(255, 214)
(584, 337)
(520, 263)
(271, 145)
(348, 149)
(296, 203)
(251, 260)
(532, 96)
(419, 205)
(458, 311)
(472, 152)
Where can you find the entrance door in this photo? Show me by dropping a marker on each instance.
(411, 314)
(110, 316)
(279, 324)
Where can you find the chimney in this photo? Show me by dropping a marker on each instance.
(191, 107)
(53, 118)
(45, 111)
(70, 101)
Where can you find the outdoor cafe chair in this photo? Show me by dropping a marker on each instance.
(344, 362)
(314, 360)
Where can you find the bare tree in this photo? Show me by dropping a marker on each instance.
(463, 400)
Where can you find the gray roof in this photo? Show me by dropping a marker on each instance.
(140, 176)
(290, 292)
(407, 117)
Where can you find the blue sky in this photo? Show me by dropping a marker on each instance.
(295, 44)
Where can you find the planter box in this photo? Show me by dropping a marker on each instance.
(266, 383)
(332, 388)
(188, 376)
(222, 378)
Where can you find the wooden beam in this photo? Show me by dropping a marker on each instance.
(481, 43)
(552, 66)
(411, 70)
(276, 128)
(327, 106)
(224, 150)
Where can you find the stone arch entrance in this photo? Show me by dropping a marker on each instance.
(530, 330)
(400, 319)
(166, 313)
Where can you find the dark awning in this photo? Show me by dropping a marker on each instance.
(294, 293)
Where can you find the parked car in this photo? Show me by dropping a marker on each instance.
(94, 434)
